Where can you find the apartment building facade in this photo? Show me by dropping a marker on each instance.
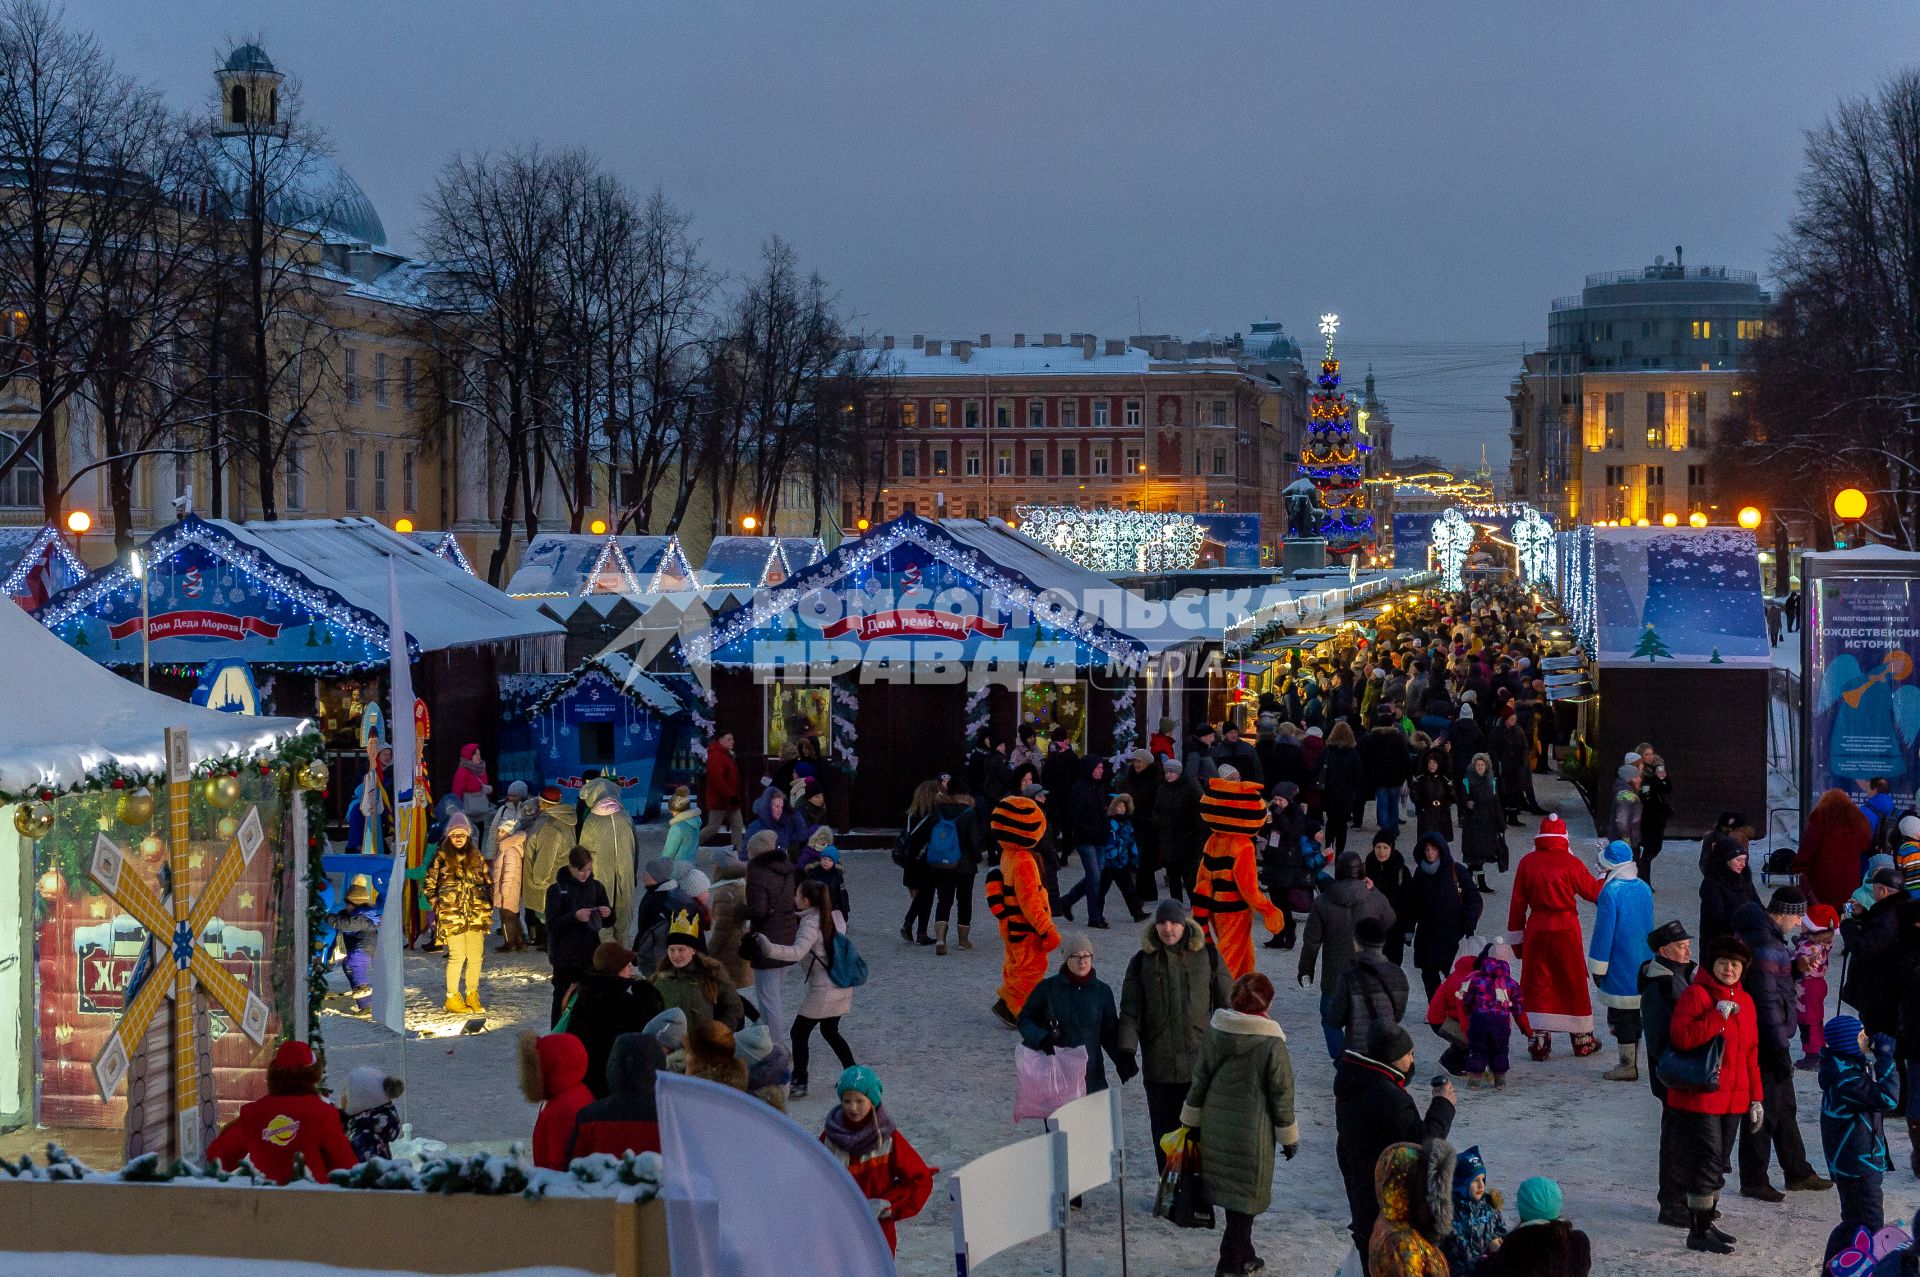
(1615, 419)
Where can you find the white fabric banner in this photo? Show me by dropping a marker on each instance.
(728, 1155)
(389, 966)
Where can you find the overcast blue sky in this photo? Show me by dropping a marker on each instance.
(1437, 173)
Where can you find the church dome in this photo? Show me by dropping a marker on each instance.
(314, 193)
(249, 57)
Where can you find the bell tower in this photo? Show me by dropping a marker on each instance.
(249, 93)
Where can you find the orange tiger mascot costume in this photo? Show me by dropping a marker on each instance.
(1228, 885)
(1018, 899)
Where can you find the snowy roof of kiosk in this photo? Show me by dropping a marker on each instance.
(623, 674)
(559, 563)
(447, 546)
(445, 606)
(745, 562)
(802, 552)
(342, 563)
(63, 716)
(21, 550)
(985, 549)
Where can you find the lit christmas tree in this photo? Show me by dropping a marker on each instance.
(1334, 459)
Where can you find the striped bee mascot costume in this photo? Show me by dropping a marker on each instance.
(1226, 893)
(1018, 899)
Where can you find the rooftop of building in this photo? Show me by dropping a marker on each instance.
(1666, 281)
(1061, 355)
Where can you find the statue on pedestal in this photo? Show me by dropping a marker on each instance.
(1303, 510)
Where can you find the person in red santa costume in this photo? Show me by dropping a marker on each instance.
(1544, 923)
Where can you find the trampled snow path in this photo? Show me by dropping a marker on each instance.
(947, 1065)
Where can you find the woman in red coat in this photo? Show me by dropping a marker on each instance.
(290, 1120)
(1833, 849)
(861, 1135)
(1548, 884)
(1715, 1006)
(553, 1074)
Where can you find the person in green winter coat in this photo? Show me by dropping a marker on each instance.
(550, 840)
(607, 832)
(1241, 1103)
(1074, 1007)
(1173, 986)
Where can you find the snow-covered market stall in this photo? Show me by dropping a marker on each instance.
(88, 937)
(916, 634)
(575, 563)
(36, 563)
(304, 603)
(605, 717)
(1673, 622)
(749, 563)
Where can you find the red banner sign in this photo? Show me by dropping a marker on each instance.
(220, 625)
(913, 622)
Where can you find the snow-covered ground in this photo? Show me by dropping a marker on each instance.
(924, 1023)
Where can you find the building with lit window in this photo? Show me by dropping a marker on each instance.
(982, 427)
(1613, 421)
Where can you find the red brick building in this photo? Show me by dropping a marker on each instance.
(978, 428)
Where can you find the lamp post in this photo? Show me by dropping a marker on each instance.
(138, 566)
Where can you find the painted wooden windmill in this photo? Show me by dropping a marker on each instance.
(181, 970)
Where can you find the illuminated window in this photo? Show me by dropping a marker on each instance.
(910, 413)
(1656, 418)
(941, 414)
(1749, 329)
(1702, 329)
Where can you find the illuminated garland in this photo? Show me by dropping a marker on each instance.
(1015, 592)
(1452, 538)
(1333, 459)
(47, 537)
(1126, 736)
(845, 713)
(979, 711)
(672, 553)
(1533, 545)
(610, 554)
(1110, 541)
(117, 582)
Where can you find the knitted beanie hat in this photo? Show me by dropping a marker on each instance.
(1539, 1199)
(1843, 1035)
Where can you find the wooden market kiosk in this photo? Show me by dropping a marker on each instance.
(1673, 622)
(77, 746)
(303, 604)
(899, 644)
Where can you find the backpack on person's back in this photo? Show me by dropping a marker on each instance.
(943, 843)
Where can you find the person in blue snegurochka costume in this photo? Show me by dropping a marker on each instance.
(1617, 951)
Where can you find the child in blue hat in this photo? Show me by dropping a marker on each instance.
(1478, 1228)
(1856, 1093)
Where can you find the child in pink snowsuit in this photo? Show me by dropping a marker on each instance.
(1812, 950)
(1493, 1003)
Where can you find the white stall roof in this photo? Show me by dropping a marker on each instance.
(62, 716)
(561, 563)
(445, 607)
(745, 563)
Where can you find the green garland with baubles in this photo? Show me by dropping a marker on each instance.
(64, 848)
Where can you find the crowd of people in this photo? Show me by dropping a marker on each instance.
(1289, 818)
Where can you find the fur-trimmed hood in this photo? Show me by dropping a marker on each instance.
(1415, 1187)
(1240, 1024)
(1150, 942)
